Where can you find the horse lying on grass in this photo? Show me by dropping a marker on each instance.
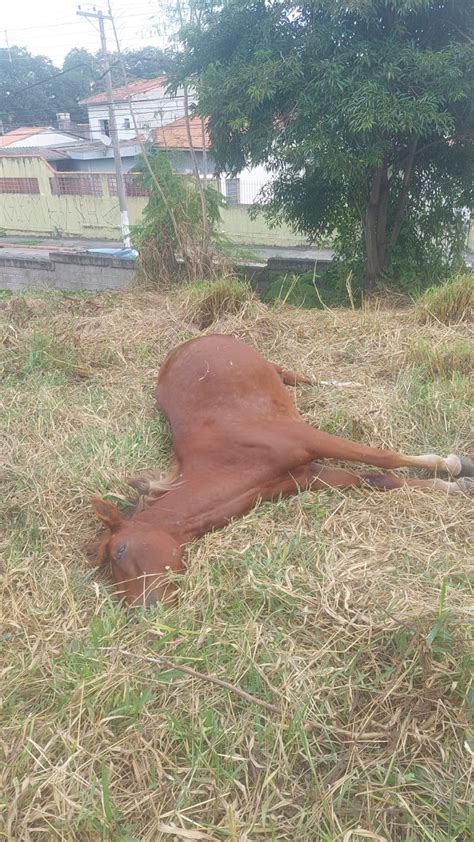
(237, 439)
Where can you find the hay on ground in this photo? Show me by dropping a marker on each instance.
(347, 611)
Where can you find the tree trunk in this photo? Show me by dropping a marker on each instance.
(375, 228)
(378, 241)
(401, 211)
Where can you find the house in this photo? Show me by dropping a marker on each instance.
(241, 190)
(160, 117)
(152, 107)
(37, 137)
(86, 156)
(174, 137)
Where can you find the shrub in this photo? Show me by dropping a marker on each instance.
(209, 301)
(450, 303)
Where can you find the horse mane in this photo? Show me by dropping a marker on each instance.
(152, 484)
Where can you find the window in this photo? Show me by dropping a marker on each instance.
(126, 123)
(132, 186)
(76, 185)
(104, 127)
(232, 191)
(19, 185)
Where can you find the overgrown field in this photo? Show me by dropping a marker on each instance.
(347, 611)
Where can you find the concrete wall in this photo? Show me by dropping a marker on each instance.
(241, 229)
(99, 272)
(66, 271)
(98, 217)
(50, 215)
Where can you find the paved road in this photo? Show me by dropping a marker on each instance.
(40, 248)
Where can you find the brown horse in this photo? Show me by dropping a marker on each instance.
(237, 439)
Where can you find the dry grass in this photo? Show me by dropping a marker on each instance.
(450, 303)
(349, 612)
(444, 359)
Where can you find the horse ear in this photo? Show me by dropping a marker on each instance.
(107, 513)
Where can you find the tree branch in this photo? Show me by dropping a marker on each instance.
(160, 660)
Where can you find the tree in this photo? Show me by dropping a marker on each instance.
(33, 90)
(362, 110)
(82, 76)
(26, 88)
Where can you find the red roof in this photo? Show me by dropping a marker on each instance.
(175, 136)
(21, 133)
(122, 93)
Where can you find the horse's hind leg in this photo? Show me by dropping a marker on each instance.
(322, 445)
(322, 476)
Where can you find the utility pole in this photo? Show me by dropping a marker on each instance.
(124, 221)
(8, 47)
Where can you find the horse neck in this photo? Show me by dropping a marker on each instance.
(198, 504)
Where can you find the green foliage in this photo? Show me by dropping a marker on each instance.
(452, 302)
(33, 90)
(362, 111)
(310, 291)
(29, 93)
(172, 221)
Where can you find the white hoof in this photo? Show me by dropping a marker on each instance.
(453, 465)
(466, 484)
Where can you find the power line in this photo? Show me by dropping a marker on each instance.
(70, 22)
(124, 221)
(71, 45)
(164, 109)
(45, 81)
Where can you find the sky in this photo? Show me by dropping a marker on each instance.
(52, 27)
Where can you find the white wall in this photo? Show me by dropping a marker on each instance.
(152, 109)
(251, 179)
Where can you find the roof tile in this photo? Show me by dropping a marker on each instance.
(122, 93)
(175, 136)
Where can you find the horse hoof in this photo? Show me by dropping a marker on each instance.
(466, 484)
(460, 466)
(467, 467)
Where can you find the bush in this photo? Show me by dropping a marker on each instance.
(172, 227)
(210, 301)
(450, 303)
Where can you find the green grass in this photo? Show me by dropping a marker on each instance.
(346, 611)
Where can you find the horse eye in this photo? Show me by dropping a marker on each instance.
(120, 552)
